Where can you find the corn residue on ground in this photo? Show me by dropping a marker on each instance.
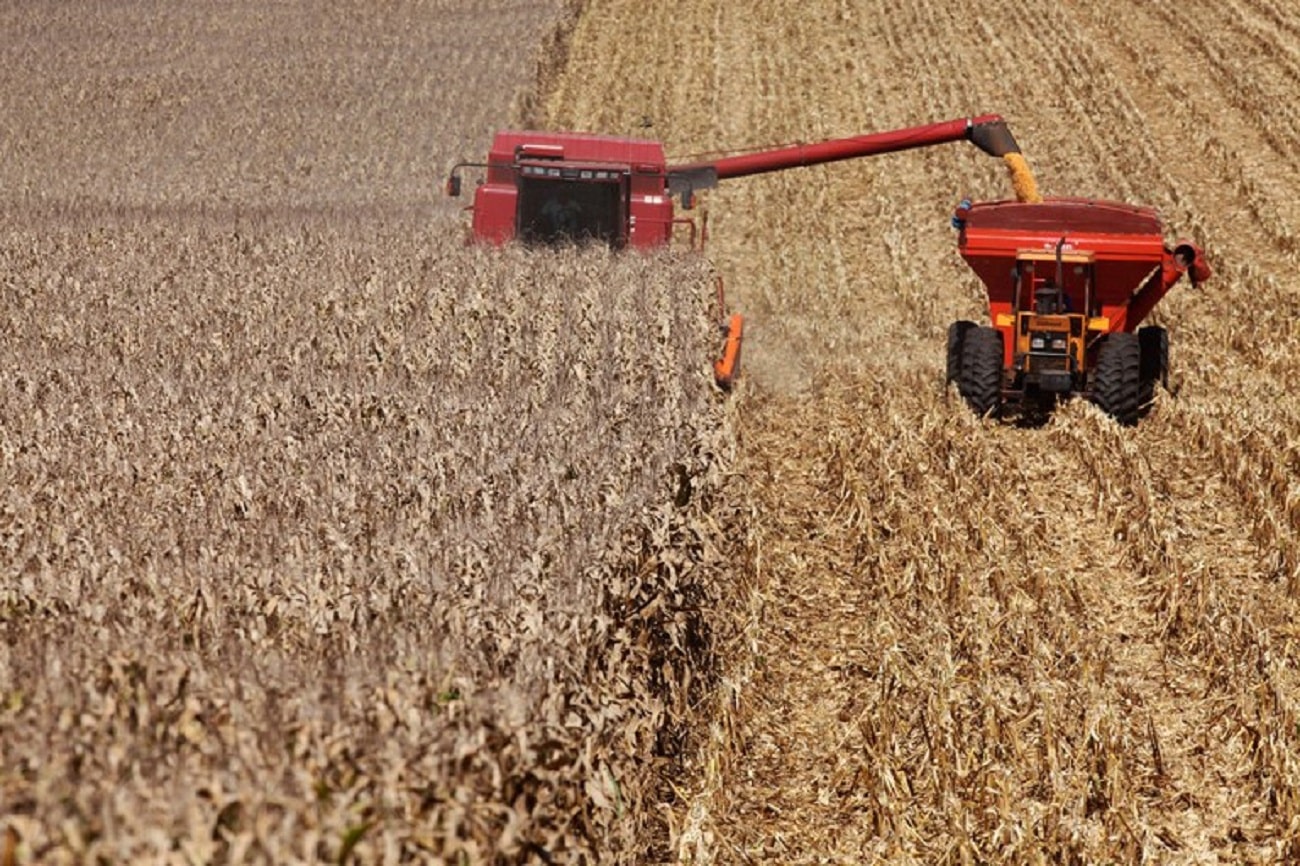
(970, 642)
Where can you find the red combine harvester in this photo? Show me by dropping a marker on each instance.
(1069, 280)
(559, 187)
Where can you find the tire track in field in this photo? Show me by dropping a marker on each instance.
(1183, 534)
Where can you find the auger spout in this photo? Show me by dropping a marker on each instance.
(988, 132)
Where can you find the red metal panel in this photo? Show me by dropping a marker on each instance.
(651, 220)
(1126, 242)
(494, 212)
(582, 147)
(1076, 214)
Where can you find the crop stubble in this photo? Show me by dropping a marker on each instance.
(971, 643)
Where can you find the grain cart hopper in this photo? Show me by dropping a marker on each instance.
(558, 187)
(1069, 280)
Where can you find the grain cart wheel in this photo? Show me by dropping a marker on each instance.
(979, 376)
(1153, 342)
(1117, 379)
(957, 332)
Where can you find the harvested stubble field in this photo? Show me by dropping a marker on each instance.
(313, 556)
(325, 537)
(969, 642)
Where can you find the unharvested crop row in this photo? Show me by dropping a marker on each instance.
(216, 108)
(329, 537)
(349, 541)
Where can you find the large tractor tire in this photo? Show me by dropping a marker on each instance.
(1153, 342)
(979, 377)
(1117, 379)
(957, 332)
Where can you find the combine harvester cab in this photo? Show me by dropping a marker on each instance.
(1069, 281)
(565, 187)
(552, 188)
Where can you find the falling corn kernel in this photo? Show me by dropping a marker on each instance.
(1022, 178)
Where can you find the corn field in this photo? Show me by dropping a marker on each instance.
(377, 566)
(328, 538)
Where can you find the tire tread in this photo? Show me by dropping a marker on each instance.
(1117, 379)
(980, 376)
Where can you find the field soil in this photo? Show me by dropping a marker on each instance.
(971, 641)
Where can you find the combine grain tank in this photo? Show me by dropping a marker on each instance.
(1069, 281)
(563, 187)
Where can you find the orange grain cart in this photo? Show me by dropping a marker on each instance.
(1069, 281)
